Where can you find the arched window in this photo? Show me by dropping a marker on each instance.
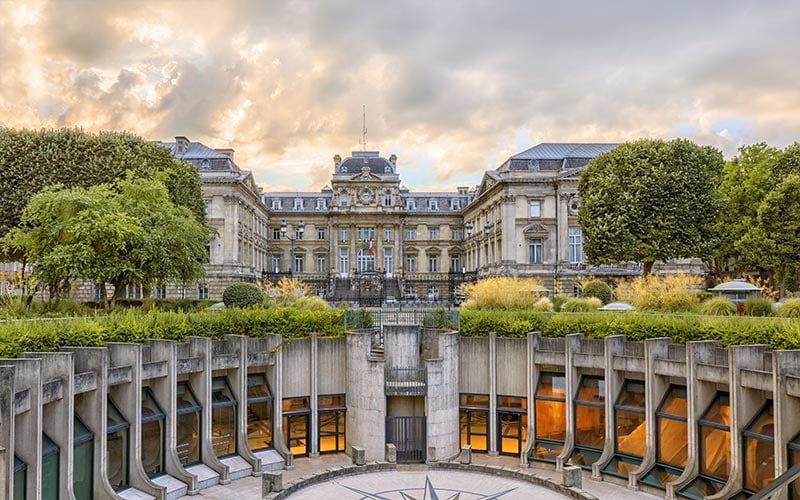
(672, 440)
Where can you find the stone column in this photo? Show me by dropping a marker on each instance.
(563, 228)
(366, 400)
(571, 378)
(7, 391)
(614, 346)
(441, 403)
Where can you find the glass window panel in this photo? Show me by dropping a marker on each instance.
(511, 437)
(479, 400)
(551, 420)
(794, 459)
(759, 450)
(331, 431)
(50, 456)
(585, 457)
(259, 425)
(83, 460)
(632, 395)
(152, 435)
(675, 402)
(715, 452)
(631, 429)
(295, 433)
(478, 421)
(764, 422)
(590, 426)
(115, 420)
(20, 479)
(547, 451)
(622, 466)
(223, 430)
(512, 402)
(660, 475)
(592, 390)
(221, 394)
(117, 456)
(186, 401)
(331, 401)
(296, 404)
(720, 411)
(673, 441)
(257, 387)
(702, 487)
(552, 385)
(187, 442)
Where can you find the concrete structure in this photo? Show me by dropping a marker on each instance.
(166, 419)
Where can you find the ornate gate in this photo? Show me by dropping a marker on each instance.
(408, 436)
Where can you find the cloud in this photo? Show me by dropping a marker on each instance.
(452, 87)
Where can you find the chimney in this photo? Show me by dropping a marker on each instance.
(226, 151)
(181, 144)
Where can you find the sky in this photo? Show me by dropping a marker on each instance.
(451, 87)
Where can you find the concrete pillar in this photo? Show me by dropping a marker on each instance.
(28, 421)
(275, 378)
(572, 379)
(6, 428)
(530, 381)
(237, 377)
(165, 393)
(313, 451)
(441, 404)
(366, 400)
(614, 346)
(787, 407)
(128, 397)
(493, 449)
(91, 404)
(58, 410)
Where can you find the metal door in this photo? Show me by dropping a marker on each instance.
(408, 436)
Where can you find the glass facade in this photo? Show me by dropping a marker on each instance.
(187, 442)
(259, 413)
(117, 447)
(223, 418)
(50, 457)
(715, 450)
(296, 413)
(474, 421)
(629, 421)
(672, 439)
(153, 419)
(590, 422)
(20, 479)
(551, 416)
(332, 422)
(82, 460)
(759, 450)
(512, 424)
(794, 459)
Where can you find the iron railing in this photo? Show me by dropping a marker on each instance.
(427, 318)
(406, 381)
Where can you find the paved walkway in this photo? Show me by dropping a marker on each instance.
(412, 481)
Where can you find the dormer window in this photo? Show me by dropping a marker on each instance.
(205, 164)
(276, 204)
(533, 165)
(298, 204)
(455, 204)
(433, 204)
(411, 204)
(387, 199)
(321, 205)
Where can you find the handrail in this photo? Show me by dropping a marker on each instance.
(779, 482)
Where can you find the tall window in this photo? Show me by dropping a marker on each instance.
(133, 292)
(455, 263)
(343, 199)
(672, 439)
(629, 420)
(535, 209)
(365, 233)
(296, 415)
(202, 291)
(433, 233)
(590, 421)
(276, 233)
(50, 465)
(715, 449)
(759, 450)
(535, 251)
(320, 233)
(153, 419)
(474, 421)
(97, 291)
(344, 234)
(321, 264)
(298, 263)
(387, 234)
(83, 459)
(456, 234)
(276, 263)
(410, 233)
(298, 204)
(332, 423)
(388, 260)
(551, 416)
(187, 441)
(223, 418)
(512, 423)
(575, 245)
(433, 263)
(160, 291)
(259, 413)
(411, 263)
(117, 447)
(387, 199)
(344, 260)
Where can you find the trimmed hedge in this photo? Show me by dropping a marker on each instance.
(599, 289)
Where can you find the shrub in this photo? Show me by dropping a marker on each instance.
(582, 305)
(758, 307)
(543, 305)
(599, 289)
(662, 293)
(704, 296)
(242, 295)
(501, 292)
(790, 308)
(439, 318)
(719, 306)
(311, 304)
(558, 301)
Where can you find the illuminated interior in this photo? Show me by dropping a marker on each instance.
(259, 413)
(117, 447)
(630, 425)
(551, 416)
(332, 422)
(474, 421)
(296, 414)
(590, 422)
(512, 422)
(715, 450)
(188, 425)
(153, 419)
(82, 460)
(759, 450)
(223, 418)
(671, 439)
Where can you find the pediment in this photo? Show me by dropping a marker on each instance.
(536, 228)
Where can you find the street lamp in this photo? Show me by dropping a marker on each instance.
(298, 236)
(487, 228)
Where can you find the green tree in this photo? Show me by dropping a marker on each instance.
(123, 234)
(746, 181)
(774, 241)
(787, 163)
(33, 160)
(650, 200)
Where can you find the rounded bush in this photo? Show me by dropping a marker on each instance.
(599, 289)
(558, 301)
(719, 306)
(757, 307)
(582, 305)
(790, 308)
(242, 295)
(543, 305)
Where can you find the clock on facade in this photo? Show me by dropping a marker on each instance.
(366, 196)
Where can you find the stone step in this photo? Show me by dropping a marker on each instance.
(206, 477)
(237, 467)
(175, 488)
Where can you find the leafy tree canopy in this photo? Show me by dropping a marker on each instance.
(650, 200)
(787, 163)
(32, 160)
(124, 234)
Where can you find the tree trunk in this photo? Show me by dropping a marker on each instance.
(105, 295)
(647, 267)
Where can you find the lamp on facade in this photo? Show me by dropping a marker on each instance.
(298, 236)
